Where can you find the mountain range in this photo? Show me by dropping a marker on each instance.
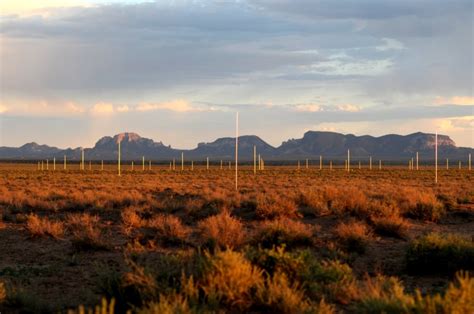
(311, 145)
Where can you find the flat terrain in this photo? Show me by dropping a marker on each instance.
(288, 241)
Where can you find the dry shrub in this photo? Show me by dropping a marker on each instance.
(271, 207)
(40, 227)
(313, 202)
(281, 296)
(386, 295)
(222, 230)
(347, 200)
(139, 282)
(231, 280)
(168, 304)
(131, 220)
(85, 231)
(169, 228)
(440, 253)
(420, 204)
(104, 307)
(353, 235)
(391, 226)
(3, 292)
(284, 231)
(383, 295)
(458, 298)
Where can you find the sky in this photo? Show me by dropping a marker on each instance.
(177, 71)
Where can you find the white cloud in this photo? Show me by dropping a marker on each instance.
(42, 108)
(349, 66)
(348, 107)
(308, 107)
(3, 109)
(123, 108)
(175, 105)
(390, 44)
(325, 108)
(455, 100)
(74, 108)
(102, 108)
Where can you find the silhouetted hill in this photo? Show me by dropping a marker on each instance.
(311, 145)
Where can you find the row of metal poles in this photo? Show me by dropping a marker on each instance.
(259, 163)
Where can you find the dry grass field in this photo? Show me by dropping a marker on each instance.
(289, 241)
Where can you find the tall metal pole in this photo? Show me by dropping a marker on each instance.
(416, 160)
(348, 161)
(254, 159)
(436, 157)
(118, 161)
(236, 151)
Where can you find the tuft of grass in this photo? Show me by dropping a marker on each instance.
(423, 205)
(41, 227)
(458, 298)
(272, 207)
(354, 236)
(105, 307)
(390, 226)
(131, 220)
(383, 295)
(331, 278)
(284, 231)
(231, 280)
(440, 253)
(168, 304)
(222, 230)
(3, 292)
(279, 295)
(169, 229)
(86, 232)
(386, 295)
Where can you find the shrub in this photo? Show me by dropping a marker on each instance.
(275, 207)
(231, 280)
(284, 231)
(386, 295)
(139, 283)
(440, 253)
(168, 304)
(383, 295)
(104, 307)
(458, 298)
(40, 227)
(313, 202)
(347, 200)
(169, 228)
(280, 296)
(222, 230)
(391, 226)
(3, 292)
(421, 205)
(131, 220)
(86, 231)
(319, 278)
(353, 235)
